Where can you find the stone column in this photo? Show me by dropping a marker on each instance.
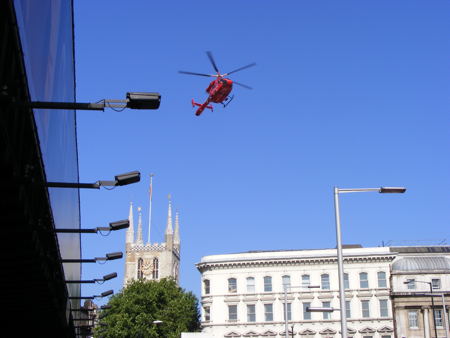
(426, 323)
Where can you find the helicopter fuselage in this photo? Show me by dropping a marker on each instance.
(219, 89)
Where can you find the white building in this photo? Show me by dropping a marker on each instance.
(152, 261)
(243, 294)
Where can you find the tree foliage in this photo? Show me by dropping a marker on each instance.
(138, 305)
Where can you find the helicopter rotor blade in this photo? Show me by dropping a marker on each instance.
(242, 85)
(239, 69)
(199, 74)
(210, 56)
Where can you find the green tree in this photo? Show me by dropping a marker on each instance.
(138, 305)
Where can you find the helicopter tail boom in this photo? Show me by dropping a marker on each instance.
(201, 107)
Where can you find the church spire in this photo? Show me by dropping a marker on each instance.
(130, 230)
(169, 229)
(176, 235)
(139, 240)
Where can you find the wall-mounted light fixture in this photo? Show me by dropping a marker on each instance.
(92, 281)
(123, 179)
(109, 257)
(134, 100)
(103, 294)
(113, 226)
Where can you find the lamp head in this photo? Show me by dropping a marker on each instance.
(392, 190)
(119, 225)
(143, 100)
(319, 309)
(105, 307)
(107, 293)
(128, 178)
(114, 255)
(109, 276)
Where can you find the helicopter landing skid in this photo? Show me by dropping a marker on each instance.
(228, 100)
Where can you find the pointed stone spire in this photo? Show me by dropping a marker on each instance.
(176, 235)
(169, 229)
(139, 240)
(130, 230)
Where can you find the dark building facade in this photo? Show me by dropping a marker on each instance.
(38, 146)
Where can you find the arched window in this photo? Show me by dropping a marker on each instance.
(325, 281)
(306, 281)
(155, 268)
(363, 281)
(140, 273)
(286, 281)
(232, 285)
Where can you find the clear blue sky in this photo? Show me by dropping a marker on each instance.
(346, 93)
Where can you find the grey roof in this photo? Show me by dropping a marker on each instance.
(430, 263)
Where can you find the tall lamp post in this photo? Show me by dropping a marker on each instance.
(444, 314)
(338, 191)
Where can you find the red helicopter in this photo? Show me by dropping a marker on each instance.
(219, 89)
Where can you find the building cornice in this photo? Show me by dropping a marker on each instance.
(290, 261)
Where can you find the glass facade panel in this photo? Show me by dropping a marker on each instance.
(46, 35)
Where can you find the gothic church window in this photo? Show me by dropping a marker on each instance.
(155, 268)
(140, 273)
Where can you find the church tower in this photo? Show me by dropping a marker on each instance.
(152, 261)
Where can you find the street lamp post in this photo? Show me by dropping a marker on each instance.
(445, 315)
(338, 191)
(285, 304)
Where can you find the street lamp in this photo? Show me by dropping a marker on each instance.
(113, 226)
(119, 180)
(337, 191)
(432, 305)
(92, 281)
(103, 294)
(109, 257)
(134, 100)
(321, 309)
(285, 303)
